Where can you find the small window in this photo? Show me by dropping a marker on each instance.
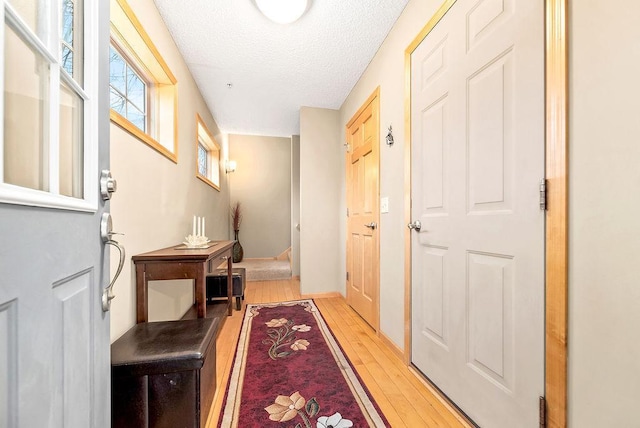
(208, 155)
(128, 91)
(71, 40)
(143, 91)
(203, 160)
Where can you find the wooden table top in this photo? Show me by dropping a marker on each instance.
(178, 252)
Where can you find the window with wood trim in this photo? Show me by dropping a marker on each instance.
(143, 91)
(207, 155)
(128, 90)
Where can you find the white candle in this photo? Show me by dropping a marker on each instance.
(194, 226)
(204, 230)
(198, 226)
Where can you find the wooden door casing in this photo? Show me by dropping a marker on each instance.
(363, 184)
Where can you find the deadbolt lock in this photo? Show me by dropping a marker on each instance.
(108, 184)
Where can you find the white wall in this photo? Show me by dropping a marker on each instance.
(156, 198)
(604, 228)
(387, 71)
(321, 176)
(295, 205)
(262, 184)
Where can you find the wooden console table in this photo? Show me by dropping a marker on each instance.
(175, 263)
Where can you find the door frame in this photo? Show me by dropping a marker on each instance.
(556, 174)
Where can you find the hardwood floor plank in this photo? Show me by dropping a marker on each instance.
(401, 396)
(386, 368)
(428, 404)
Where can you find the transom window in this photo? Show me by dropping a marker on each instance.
(203, 160)
(49, 137)
(208, 155)
(128, 91)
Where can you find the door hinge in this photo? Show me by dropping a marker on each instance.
(543, 194)
(347, 212)
(543, 412)
(347, 276)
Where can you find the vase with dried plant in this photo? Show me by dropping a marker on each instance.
(236, 219)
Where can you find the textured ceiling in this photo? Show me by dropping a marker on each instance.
(276, 69)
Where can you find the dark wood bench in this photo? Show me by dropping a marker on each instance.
(163, 374)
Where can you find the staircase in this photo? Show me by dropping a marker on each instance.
(269, 269)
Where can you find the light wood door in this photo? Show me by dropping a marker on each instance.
(54, 335)
(363, 251)
(477, 132)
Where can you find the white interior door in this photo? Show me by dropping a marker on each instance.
(54, 335)
(477, 119)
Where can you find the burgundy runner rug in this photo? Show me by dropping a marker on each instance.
(289, 371)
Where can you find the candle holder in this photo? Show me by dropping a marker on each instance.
(196, 241)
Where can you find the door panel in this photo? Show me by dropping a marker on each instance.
(477, 132)
(490, 321)
(363, 208)
(434, 152)
(434, 295)
(8, 361)
(71, 323)
(490, 136)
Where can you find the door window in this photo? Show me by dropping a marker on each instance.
(49, 144)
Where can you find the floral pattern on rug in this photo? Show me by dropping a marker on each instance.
(287, 408)
(283, 334)
(290, 372)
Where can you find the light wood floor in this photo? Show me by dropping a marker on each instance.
(402, 396)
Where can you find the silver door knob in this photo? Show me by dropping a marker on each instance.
(415, 225)
(371, 225)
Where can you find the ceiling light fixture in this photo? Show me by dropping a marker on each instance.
(283, 11)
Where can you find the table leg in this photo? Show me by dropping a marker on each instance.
(201, 290)
(230, 282)
(142, 288)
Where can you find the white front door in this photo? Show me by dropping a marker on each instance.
(477, 132)
(54, 334)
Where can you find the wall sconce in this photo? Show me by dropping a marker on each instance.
(230, 166)
(389, 137)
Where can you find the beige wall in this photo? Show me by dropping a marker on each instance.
(262, 184)
(156, 198)
(604, 229)
(387, 71)
(320, 178)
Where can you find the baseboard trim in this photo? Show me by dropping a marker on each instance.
(328, 295)
(391, 345)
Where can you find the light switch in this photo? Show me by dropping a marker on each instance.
(384, 204)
